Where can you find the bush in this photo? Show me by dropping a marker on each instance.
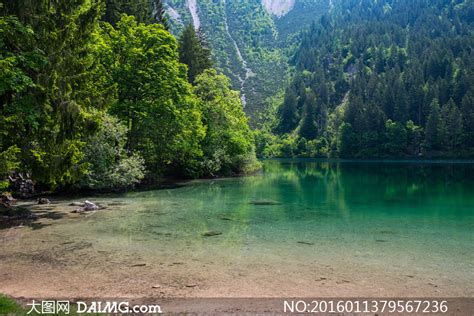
(110, 166)
(8, 163)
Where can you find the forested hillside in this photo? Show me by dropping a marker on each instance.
(251, 41)
(391, 78)
(93, 95)
(100, 94)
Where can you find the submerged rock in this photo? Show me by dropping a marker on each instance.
(43, 201)
(306, 243)
(211, 233)
(89, 206)
(265, 202)
(225, 218)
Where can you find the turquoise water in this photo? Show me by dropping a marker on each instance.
(369, 228)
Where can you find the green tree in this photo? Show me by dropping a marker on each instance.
(194, 52)
(8, 163)
(308, 128)
(228, 146)
(396, 139)
(140, 9)
(47, 88)
(288, 113)
(159, 13)
(110, 165)
(468, 119)
(433, 131)
(154, 98)
(347, 141)
(451, 116)
(144, 11)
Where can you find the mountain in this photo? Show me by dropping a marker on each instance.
(387, 78)
(252, 41)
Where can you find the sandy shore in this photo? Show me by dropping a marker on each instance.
(43, 261)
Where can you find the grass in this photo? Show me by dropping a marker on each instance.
(10, 307)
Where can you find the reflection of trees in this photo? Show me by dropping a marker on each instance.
(306, 190)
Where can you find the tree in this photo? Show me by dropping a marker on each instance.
(433, 131)
(228, 146)
(308, 128)
(159, 13)
(288, 113)
(468, 118)
(110, 165)
(194, 52)
(452, 119)
(8, 163)
(396, 139)
(347, 141)
(140, 9)
(144, 11)
(154, 98)
(47, 89)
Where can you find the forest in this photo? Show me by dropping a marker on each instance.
(99, 95)
(380, 79)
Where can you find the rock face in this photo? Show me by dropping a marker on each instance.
(278, 8)
(174, 14)
(193, 9)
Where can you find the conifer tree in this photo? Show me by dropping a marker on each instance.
(308, 128)
(468, 119)
(194, 52)
(433, 132)
(288, 112)
(159, 13)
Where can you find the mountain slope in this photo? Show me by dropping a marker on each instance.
(390, 78)
(252, 41)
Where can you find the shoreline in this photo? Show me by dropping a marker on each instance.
(33, 258)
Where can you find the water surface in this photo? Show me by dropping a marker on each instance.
(298, 228)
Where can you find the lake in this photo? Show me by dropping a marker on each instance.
(299, 228)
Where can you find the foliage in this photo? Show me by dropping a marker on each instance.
(8, 163)
(91, 104)
(144, 11)
(265, 43)
(110, 166)
(46, 85)
(385, 79)
(194, 52)
(228, 146)
(154, 98)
